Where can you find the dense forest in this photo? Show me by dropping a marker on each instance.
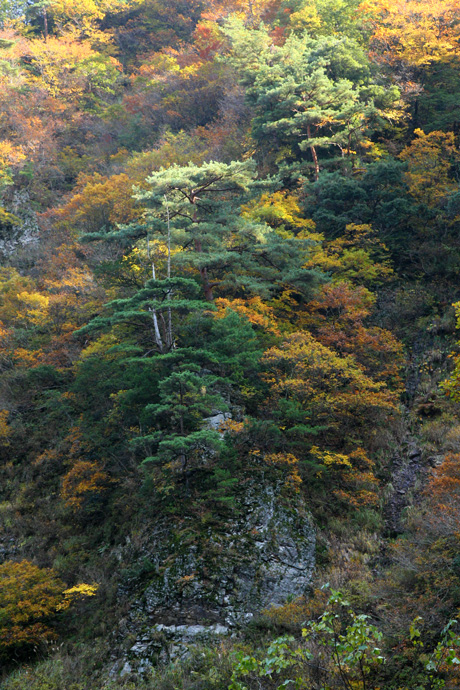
(229, 357)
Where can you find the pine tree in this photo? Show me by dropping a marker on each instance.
(195, 211)
(308, 95)
(208, 246)
(179, 440)
(232, 254)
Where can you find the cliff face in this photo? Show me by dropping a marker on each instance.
(229, 302)
(25, 232)
(203, 581)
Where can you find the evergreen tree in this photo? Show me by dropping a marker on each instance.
(165, 395)
(232, 254)
(196, 212)
(308, 95)
(179, 439)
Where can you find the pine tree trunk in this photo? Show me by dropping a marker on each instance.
(45, 24)
(204, 275)
(156, 327)
(169, 337)
(314, 155)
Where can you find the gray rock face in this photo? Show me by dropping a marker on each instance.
(216, 420)
(27, 232)
(8, 547)
(206, 583)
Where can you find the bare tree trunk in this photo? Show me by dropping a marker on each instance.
(204, 275)
(314, 154)
(184, 458)
(45, 24)
(156, 327)
(169, 339)
(203, 271)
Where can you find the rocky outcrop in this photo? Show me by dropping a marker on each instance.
(207, 581)
(8, 547)
(26, 232)
(407, 467)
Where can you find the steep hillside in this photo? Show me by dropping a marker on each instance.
(229, 369)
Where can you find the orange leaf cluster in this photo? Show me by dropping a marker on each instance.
(332, 388)
(257, 312)
(85, 481)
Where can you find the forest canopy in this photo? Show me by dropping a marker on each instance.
(229, 260)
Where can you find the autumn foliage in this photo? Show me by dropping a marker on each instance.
(229, 246)
(416, 31)
(31, 599)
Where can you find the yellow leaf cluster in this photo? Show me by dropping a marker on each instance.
(231, 426)
(306, 19)
(418, 32)
(85, 479)
(29, 599)
(10, 154)
(430, 158)
(33, 307)
(5, 430)
(353, 256)
(101, 201)
(330, 459)
(57, 66)
(332, 389)
(281, 211)
(290, 465)
(83, 17)
(22, 357)
(79, 9)
(81, 590)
